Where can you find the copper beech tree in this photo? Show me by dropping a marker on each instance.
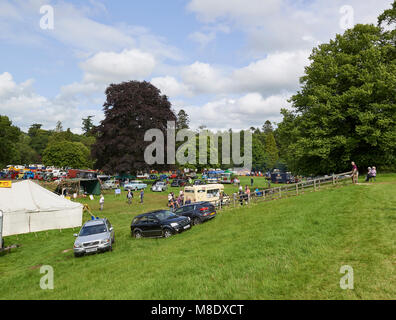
(131, 108)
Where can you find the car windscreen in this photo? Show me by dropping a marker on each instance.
(94, 229)
(164, 215)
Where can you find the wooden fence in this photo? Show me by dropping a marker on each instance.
(285, 191)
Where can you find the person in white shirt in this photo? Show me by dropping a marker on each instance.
(101, 202)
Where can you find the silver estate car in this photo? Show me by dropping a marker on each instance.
(95, 236)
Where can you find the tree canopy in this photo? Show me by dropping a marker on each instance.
(67, 154)
(346, 108)
(131, 108)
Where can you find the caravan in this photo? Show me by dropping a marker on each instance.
(212, 193)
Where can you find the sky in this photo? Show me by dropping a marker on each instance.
(227, 63)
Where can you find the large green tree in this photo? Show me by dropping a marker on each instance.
(183, 120)
(39, 138)
(346, 108)
(67, 154)
(131, 108)
(9, 137)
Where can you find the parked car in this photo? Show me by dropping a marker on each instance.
(110, 184)
(95, 236)
(199, 182)
(159, 186)
(143, 176)
(163, 177)
(160, 223)
(178, 183)
(173, 176)
(192, 175)
(135, 185)
(198, 212)
(153, 177)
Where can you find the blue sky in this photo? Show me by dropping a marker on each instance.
(228, 63)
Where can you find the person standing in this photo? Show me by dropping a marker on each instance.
(373, 173)
(355, 173)
(369, 176)
(141, 195)
(129, 197)
(101, 202)
(251, 182)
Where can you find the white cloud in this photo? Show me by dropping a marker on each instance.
(171, 86)
(203, 39)
(204, 78)
(280, 25)
(249, 110)
(24, 106)
(277, 72)
(108, 67)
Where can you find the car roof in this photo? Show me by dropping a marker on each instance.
(150, 213)
(196, 203)
(95, 222)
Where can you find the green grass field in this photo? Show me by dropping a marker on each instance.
(284, 249)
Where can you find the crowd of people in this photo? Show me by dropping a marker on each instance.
(176, 202)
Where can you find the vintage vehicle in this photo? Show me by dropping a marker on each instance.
(163, 177)
(214, 176)
(47, 176)
(192, 175)
(95, 235)
(282, 177)
(143, 176)
(159, 186)
(135, 185)
(227, 177)
(153, 177)
(110, 184)
(209, 192)
(178, 183)
(28, 175)
(198, 212)
(199, 182)
(160, 223)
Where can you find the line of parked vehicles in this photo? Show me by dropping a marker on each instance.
(98, 235)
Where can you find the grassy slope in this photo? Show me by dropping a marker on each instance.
(285, 249)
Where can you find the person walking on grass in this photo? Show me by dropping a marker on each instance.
(141, 196)
(130, 197)
(101, 202)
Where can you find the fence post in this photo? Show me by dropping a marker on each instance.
(333, 179)
(296, 189)
(314, 185)
(280, 192)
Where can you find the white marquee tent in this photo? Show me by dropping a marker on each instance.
(28, 207)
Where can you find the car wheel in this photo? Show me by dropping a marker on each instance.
(138, 234)
(197, 221)
(167, 233)
(78, 255)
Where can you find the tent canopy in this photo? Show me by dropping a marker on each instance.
(28, 207)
